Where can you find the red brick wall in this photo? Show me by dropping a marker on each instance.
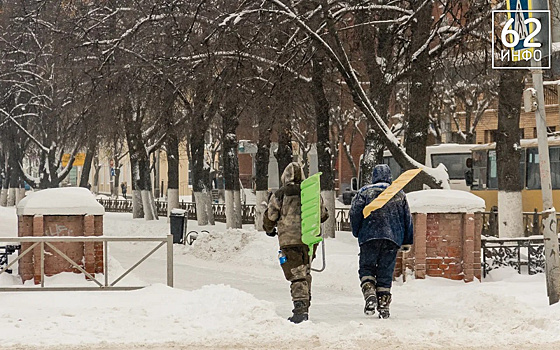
(245, 169)
(445, 245)
(52, 225)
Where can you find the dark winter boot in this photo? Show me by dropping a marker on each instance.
(368, 290)
(300, 312)
(383, 302)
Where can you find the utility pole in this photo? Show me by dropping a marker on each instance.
(549, 222)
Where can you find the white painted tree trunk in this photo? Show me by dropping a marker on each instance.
(20, 194)
(329, 226)
(230, 210)
(262, 197)
(11, 197)
(147, 205)
(209, 209)
(4, 197)
(201, 214)
(137, 208)
(510, 214)
(172, 200)
(237, 209)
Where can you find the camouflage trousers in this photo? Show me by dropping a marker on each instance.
(296, 270)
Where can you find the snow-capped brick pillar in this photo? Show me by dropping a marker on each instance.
(60, 212)
(447, 232)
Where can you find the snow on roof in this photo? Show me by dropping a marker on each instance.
(444, 201)
(60, 201)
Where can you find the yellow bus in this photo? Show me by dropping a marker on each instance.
(485, 173)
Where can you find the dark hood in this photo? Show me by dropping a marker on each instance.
(381, 173)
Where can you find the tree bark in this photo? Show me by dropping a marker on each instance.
(375, 42)
(92, 148)
(418, 122)
(284, 154)
(231, 166)
(5, 175)
(262, 159)
(200, 172)
(324, 156)
(172, 172)
(510, 209)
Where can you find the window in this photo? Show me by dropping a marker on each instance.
(480, 161)
(555, 166)
(492, 170)
(489, 136)
(456, 164)
(533, 181)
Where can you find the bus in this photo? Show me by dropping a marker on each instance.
(485, 173)
(453, 155)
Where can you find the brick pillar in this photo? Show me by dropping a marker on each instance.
(89, 251)
(419, 248)
(98, 245)
(477, 266)
(468, 247)
(38, 231)
(434, 253)
(25, 264)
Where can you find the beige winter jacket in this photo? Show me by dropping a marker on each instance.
(284, 207)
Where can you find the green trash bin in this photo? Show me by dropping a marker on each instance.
(178, 225)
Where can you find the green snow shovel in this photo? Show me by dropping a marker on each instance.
(311, 211)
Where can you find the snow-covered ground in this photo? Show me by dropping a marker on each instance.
(230, 293)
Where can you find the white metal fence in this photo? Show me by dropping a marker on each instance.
(101, 285)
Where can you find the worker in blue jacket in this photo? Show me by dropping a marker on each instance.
(380, 235)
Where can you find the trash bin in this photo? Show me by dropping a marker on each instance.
(178, 225)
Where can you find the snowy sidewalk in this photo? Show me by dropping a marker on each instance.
(230, 293)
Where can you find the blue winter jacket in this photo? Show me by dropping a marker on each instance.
(393, 221)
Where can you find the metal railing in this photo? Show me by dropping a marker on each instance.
(247, 211)
(523, 254)
(531, 223)
(105, 284)
(219, 209)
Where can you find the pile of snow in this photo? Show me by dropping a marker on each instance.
(221, 246)
(60, 201)
(444, 201)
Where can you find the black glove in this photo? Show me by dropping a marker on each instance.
(272, 233)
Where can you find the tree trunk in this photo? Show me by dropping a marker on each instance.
(262, 159)
(231, 166)
(20, 194)
(15, 181)
(137, 203)
(510, 212)
(140, 162)
(201, 174)
(5, 186)
(92, 146)
(172, 172)
(374, 43)
(96, 169)
(418, 118)
(284, 154)
(117, 184)
(322, 116)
